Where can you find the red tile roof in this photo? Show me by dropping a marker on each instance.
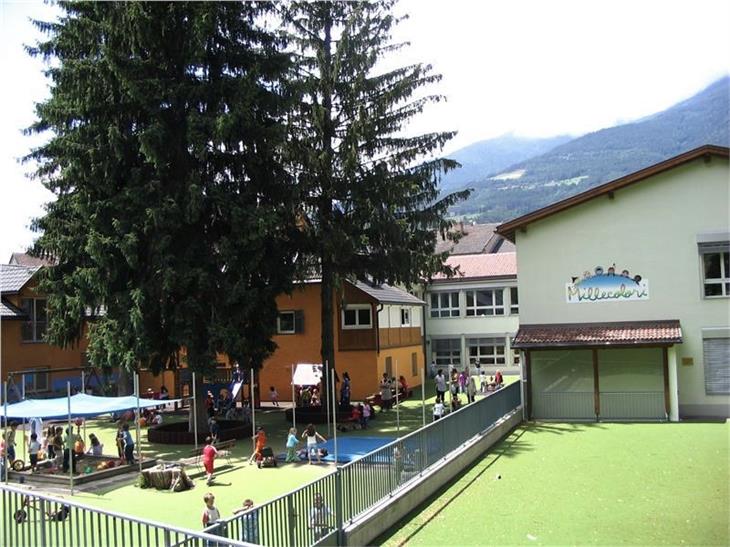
(624, 333)
(480, 266)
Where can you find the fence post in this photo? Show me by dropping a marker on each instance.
(338, 507)
(167, 541)
(42, 520)
(291, 520)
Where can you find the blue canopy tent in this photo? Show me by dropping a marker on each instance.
(75, 406)
(82, 406)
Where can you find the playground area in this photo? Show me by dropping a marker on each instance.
(235, 479)
(578, 484)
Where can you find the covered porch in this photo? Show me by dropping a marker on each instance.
(600, 371)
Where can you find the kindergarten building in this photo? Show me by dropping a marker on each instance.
(625, 295)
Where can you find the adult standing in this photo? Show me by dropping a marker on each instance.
(345, 391)
(471, 389)
(386, 393)
(440, 381)
(319, 516)
(128, 445)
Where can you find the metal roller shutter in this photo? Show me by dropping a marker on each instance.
(717, 366)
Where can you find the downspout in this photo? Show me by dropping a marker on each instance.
(377, 327)
(426, 356)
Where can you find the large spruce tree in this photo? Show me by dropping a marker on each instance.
(369, 186)
(173, 215)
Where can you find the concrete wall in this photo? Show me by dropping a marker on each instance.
(650, 229)
(387, 514)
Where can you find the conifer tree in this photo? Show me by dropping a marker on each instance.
(369, 187)
(173, 214)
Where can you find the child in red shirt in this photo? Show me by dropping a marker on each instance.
(209, 454)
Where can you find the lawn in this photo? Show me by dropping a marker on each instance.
(568, 484)
(238, 481)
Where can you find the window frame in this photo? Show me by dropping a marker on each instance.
(723, 281)
(357, 308)
(454, 352)
(477, 310)
(293, 314)
(445, 312)
(405, 317)
(514, 301)
(31, 380)
(499, 359)
(33, 322)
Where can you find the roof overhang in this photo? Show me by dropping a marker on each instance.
(508, 229)
(621, 334)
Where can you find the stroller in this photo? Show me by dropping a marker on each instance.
(267, 458)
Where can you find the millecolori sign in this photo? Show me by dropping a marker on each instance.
(606, 286)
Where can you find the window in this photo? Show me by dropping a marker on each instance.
(516, 357)
(448, 352)
(486, 351)
(514, 301)
(389, 366)
(414, 364)
(285, 323)
(36, 381)
(290, 322)
(34, 328)
(405, 317)
(357, 317)
(445, 304)
(716, 355)
(716, 271)
(485, 302)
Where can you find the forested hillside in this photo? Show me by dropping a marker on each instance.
(599, 157)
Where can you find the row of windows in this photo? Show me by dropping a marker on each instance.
(357, 316)
(482, 351)
(479, 302)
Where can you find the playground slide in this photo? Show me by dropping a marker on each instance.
(234, 388)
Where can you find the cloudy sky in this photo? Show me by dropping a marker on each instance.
(530, 67)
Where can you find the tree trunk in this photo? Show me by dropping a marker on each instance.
(124, 384)
(202, 413)
(328, 335)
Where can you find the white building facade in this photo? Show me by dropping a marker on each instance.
(472, 317)
(625, 295)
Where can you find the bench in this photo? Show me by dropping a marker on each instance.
(224, 449)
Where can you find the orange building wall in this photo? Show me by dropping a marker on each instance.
(403, 356)
(18, 356)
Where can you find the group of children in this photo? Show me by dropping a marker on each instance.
(61, 450)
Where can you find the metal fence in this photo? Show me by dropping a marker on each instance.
(315, 513)
(30, 519)
(318, 511)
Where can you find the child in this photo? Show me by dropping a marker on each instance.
(291, 446)
(310, 435)
(274, 396)
(260, 439)
(211, 515)
(209, 454)
(128, 445)
(33, 448)
(96, 446)
(483, 380)
(58, 447)
(438, 410)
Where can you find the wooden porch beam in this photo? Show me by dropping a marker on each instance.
(596, 387)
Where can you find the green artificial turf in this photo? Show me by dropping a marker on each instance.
(238, 481)
(569, 484)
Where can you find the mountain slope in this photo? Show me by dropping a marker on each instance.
(605, 155)
(484, 158)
